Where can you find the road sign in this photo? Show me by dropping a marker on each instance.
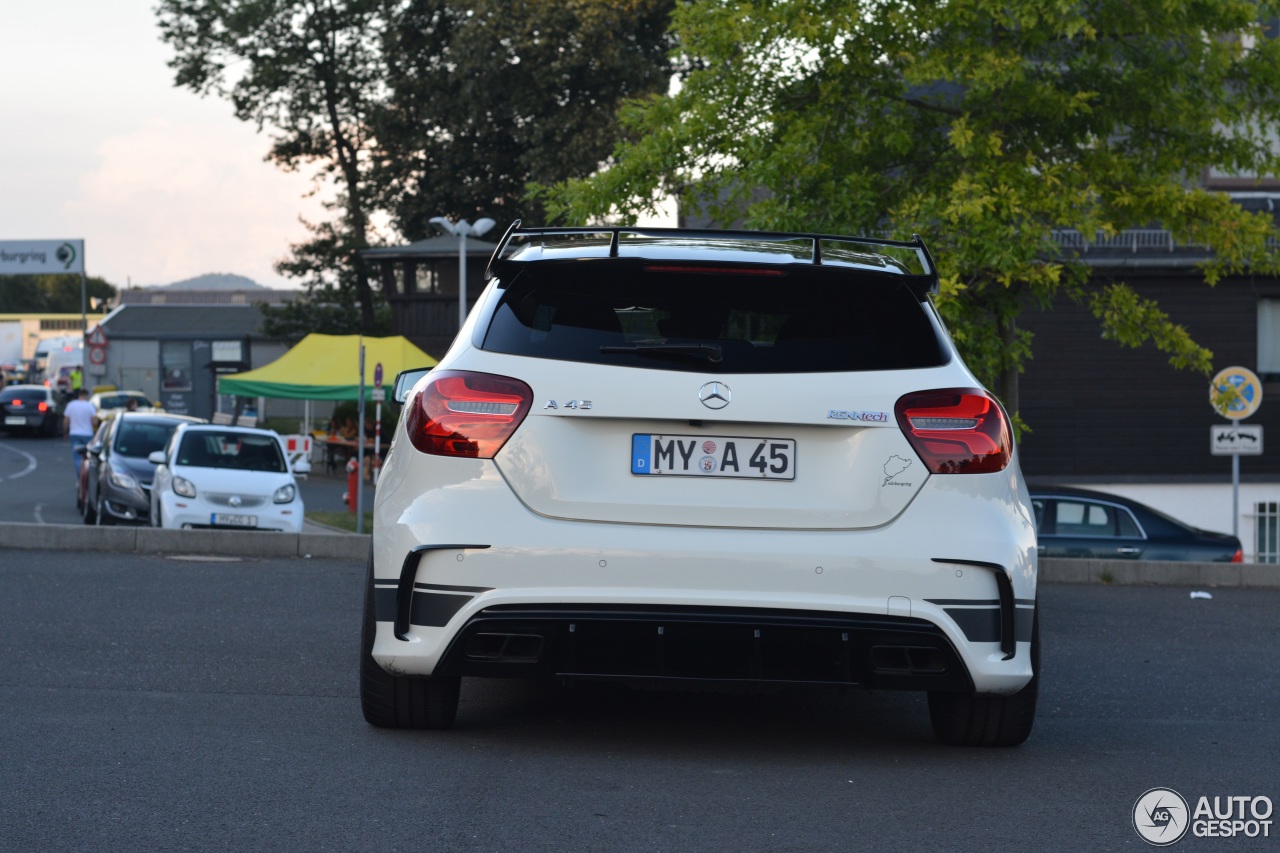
(97, 355)
(377, 375)
(1235, 393)
(1235, 440)
(378, 395)
(97, 337)
(32, 257)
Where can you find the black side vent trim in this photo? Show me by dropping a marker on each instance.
(408, 572)
(1008, 607)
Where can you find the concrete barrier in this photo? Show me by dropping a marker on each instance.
(1159, 573)
(149, 540)
(352, 546)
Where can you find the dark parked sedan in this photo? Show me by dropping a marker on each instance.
(1096, 525)
(30, 409)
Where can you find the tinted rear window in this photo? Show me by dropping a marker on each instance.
(26, 395)
(208, 449)
(142, 439)
(815, 320)
(120, 401)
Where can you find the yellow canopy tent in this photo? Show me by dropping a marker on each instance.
(327, 367)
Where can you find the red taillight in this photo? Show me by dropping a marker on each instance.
(17, 404)
(42, 407)
(956, 430)
(1238, 556)
(467, 414)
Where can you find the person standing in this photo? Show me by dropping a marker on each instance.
(77, 380)
(79, 420)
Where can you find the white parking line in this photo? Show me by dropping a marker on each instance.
(39, 511)
(31, 462)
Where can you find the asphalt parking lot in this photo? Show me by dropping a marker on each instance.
(188, 702)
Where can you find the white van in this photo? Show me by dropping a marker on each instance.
(57, 372)
(45, 347)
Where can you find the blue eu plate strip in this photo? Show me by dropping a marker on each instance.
(641, 447)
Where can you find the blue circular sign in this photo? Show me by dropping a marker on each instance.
(1236, 393)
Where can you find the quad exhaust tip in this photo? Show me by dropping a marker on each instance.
(505, 648)
(908, 660)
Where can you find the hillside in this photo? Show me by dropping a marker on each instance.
(213, 281)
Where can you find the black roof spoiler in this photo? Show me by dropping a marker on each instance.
(922, 283)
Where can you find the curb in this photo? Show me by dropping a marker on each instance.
(355, 546)
(150, 540)
(1159, 573)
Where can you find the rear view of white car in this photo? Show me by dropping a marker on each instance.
(212, 476)
(702, 458)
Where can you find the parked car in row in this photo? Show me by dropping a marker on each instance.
(29, 409)
(1087, 524)
(731, 460)
(119, 473)
(219, 476)
(88, 459)
(109, 402)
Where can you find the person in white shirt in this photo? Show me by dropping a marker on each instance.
(79, 420)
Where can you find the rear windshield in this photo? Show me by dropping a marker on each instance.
(654, 316)
(26, 395)
(210, 449)
(120, 401)
(142, 439)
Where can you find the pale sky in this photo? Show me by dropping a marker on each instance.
(97, 144)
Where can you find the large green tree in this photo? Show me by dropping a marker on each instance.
(410, 109)
(308, 71)
(487, 96)
(50, 294)
(984, 125)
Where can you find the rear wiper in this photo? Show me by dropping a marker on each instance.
(709, 352)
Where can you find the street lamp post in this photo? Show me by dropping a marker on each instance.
(461, 229)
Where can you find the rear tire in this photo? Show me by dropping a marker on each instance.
(400, 701)
(984, 719)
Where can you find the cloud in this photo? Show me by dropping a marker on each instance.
(168, 201)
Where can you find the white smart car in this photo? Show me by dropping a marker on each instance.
(735, 459)
(212, 476)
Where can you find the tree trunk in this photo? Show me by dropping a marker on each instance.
(1008, 390)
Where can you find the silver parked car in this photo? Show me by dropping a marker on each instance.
(118, 485)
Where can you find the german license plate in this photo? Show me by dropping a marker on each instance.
(15, 420)
(229, 520)
(714, 456)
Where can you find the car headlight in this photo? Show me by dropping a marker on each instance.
(285, 494)
(121, 480)
(184, 487)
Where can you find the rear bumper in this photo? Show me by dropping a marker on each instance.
(468, 581)
(724, 646)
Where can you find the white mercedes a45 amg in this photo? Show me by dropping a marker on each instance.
(729, 458)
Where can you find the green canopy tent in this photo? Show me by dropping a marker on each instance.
(326, 367)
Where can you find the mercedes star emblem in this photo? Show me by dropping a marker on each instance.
(715, 395)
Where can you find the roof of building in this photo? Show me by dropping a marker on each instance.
(167, 296)
(444, 246)
(185, 322)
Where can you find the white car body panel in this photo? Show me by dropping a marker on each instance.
(532, 559)
(225, 491)
(557, 522)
